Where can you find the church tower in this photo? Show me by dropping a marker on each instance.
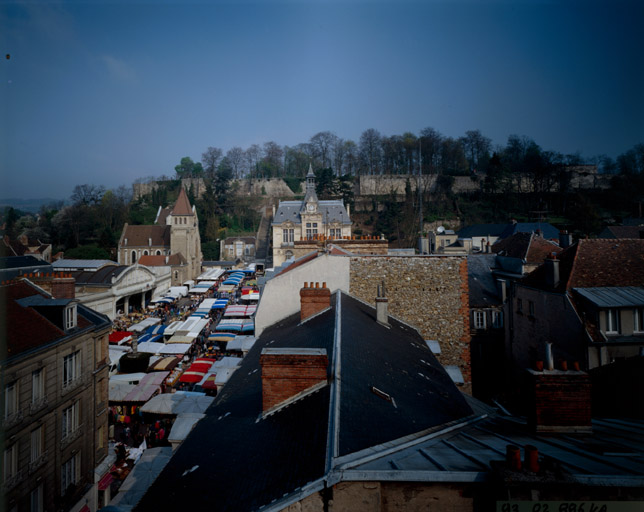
(184, 234)
(310, 203)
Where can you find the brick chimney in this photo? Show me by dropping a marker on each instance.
(287, 372)
(313, 299)
(559, 401)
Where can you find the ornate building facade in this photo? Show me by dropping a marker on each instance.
(310, 219)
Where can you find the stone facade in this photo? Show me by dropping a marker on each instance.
(430, 293)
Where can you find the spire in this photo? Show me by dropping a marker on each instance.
(182, 204)
(311, 197)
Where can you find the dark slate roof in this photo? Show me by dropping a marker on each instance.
(548, 231)
(14, 266)
(482, 284)
(102, 276)
(242, 462)
(475, 452)
(613, 297)
(290, 210)
(482, 230)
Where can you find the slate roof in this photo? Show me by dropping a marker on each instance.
(242, 462)
(596, 263)
(13, 266)
(71, 264)
(138, 236)
(290, 210)
(102, 276)
(548, 231)
(482, 230)
(526, 246)
(622, 232)
(27, 328)
(481, 282)
(612, 297)
(162, 215)
(182, 204)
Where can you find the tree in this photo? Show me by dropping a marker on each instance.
(477, 149)
(431, 141)
(371, 150)
(210, 159)
(87, 195)
(322, 144)
(188, 169)
(252, 155)
(235, 156)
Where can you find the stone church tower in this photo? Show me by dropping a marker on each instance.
(184, 234)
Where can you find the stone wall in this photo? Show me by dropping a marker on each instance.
(430, 293)
(271, 187)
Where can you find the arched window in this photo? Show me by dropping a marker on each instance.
(158, 253)
(145, 253)
(133, 257)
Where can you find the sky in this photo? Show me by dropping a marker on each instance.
(105, 92)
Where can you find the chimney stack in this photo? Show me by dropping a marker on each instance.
(314, 299)
(289, 372)
(503, 289)
(382, 315)
(565, 239)
(559, 401)
(552, 270)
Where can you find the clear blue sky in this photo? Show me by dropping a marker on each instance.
(106, 92)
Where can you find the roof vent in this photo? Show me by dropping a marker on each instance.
(385, 396)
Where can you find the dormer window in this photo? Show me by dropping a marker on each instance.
(612, 321)
(70, 317)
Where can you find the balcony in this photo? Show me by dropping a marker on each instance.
(72, 385)
(36, 464)
(38, 405)
(13, 419)
(71, 437)
(12, 481)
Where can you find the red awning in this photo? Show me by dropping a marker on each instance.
(105, 482)
(191, 377)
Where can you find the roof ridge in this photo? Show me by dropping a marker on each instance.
(574, 263)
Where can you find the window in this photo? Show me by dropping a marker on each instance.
(519, 306)
(69, 472)
(638, 320)
(133, 257)
(479, 319)
(497, 319)
(315, 224)
(37, 385)
(10, 462)
(158, 253)
(288, 235)
(70, 418)
(71, 368)
(36, 444)
(36, 499)
(531, 308)
(101, 437)
(70, 317)
(612, 321)
(336, 233)
(11, 399)
(145, 253)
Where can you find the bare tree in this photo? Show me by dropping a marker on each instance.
(477, 148)
(252, 155)
(431, 150)
(371, 149)
(322, 144)
(235, 156)
(210, 159)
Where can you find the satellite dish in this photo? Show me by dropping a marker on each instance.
(440, 229)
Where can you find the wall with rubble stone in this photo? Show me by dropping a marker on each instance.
(429, 292)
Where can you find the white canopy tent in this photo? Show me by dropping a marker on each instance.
(178, 403)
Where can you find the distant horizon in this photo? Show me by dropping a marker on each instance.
(108, 92)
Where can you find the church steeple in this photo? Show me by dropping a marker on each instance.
(310, 203)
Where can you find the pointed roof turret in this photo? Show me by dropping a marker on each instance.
(182, 204)
(310, 197)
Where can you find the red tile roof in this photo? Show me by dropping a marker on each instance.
(182, 204)
(139, 236)
(597, 263)
(26, 328)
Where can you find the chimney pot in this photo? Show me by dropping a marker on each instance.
(564, 366)
(513, 457)
(538, 366)
(531, 458)
(575, 366)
